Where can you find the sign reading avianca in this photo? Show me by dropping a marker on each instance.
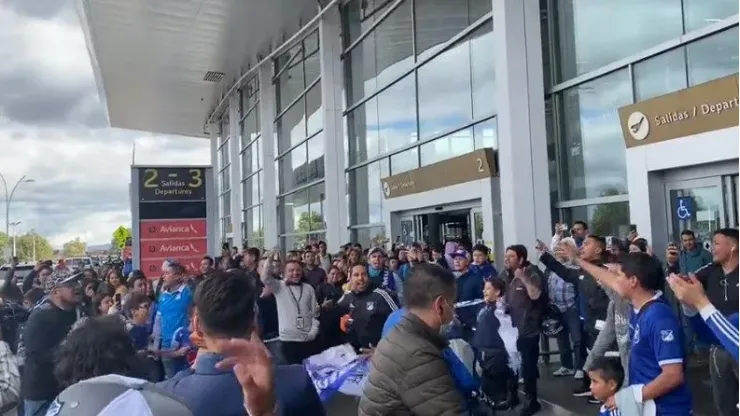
(156, 229)
(173, 248)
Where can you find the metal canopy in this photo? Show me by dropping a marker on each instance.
(155, 61)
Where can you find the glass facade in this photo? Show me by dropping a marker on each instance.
(299, 144)
(250, 136)
(420, 88)
(224, 178)
(585, 144)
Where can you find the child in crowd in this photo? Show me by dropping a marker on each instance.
(607, 376)
(102, 304)
(138, 312)
(494, 342)
(481, 265)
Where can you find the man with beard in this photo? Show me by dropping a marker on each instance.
(48, 325)
(525, 303)
(368, 307)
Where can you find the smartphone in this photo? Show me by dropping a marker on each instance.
(609, 241)
(117, 298)
(633, 228)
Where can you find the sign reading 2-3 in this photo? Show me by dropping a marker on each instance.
(172, 184)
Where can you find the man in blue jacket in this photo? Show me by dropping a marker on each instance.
(224, 309)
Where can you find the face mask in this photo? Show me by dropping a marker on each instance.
(444, 328)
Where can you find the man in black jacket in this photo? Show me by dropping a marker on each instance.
(46, 328)
(368, 306)
(593, 298)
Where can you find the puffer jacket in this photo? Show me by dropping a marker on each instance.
(409, 375)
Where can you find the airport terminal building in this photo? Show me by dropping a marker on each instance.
(485, 120)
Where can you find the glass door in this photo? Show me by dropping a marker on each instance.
(408, 230)
(697, 205)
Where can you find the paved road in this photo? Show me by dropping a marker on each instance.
(347, 406)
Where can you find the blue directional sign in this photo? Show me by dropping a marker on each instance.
(684, 208)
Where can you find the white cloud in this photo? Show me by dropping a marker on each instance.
(50, 131)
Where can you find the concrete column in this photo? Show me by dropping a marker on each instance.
(215, 227)
(524, 178)
(269, 175)
(332, 81)
(235, 171)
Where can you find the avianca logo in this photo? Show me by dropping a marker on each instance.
(178, 248)
(182, 229)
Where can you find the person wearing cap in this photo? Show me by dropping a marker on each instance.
(469, 282)
(379, 274)
(46, 328)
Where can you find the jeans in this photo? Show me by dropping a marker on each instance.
(529, 349)
(296, 352)
(723, 372)
(570, 340)
(36, 407)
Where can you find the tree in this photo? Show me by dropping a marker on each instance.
(120, 235)
(31, 244)
(608, 218)
(74, 248)
(310, 221)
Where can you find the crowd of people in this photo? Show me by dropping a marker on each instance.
(232, 337)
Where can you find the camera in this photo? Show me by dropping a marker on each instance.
(12, 317)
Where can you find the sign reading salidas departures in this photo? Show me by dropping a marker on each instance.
(171, 221)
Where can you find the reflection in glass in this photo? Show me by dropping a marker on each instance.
(699, 13)
(362, 129)
(288, 169)
(359, 15)
(247, 161)
(603, 219)
(482, 70)
(486, 134)
(436, 23)
(587, 39)
(708, 208)
(397, 115)
(369, 236)
(405, 161)
(660, 75)
(312, 68)
(592, 146)
(250, 126)
(713, 57)
(290, 209)
(445, 91)
(255, 189)
(317, 198)
(313, 109)
(382, 56)
(291, 127)
(315, 157)
(290, 84)
(366, 200)
(455, 144)
(226, 204)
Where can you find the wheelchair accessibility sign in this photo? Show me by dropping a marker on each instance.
(684, 208)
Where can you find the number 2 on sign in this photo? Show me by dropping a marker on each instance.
(150, 178)
(196, 176)
(480, 164)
